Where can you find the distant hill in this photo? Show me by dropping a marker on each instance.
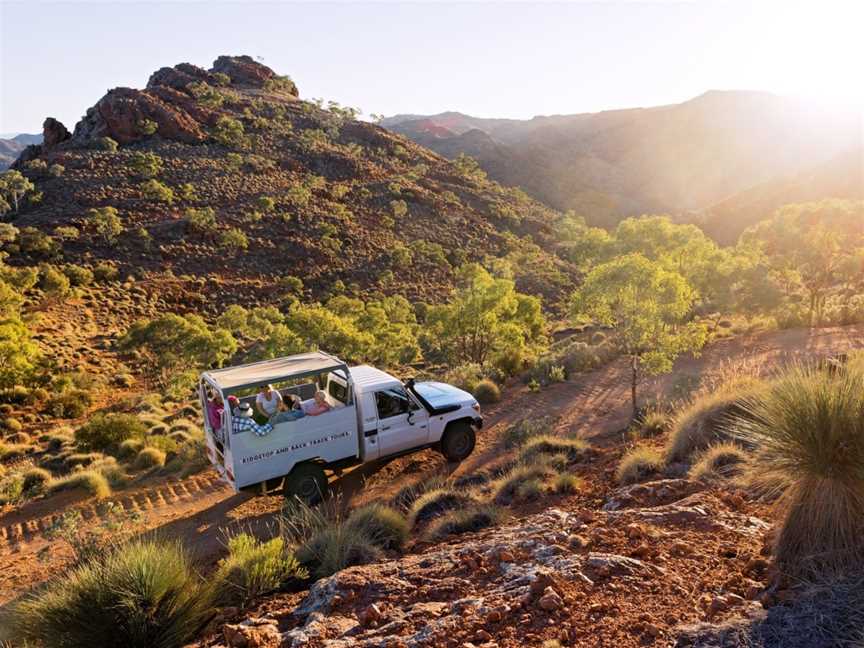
(313, 193)
(677, 159)
(11, 147)
(840, 177)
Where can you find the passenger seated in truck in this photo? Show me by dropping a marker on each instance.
(267, 403)
(318, 406)
(241, 421)
(215, 410)
(292, 412)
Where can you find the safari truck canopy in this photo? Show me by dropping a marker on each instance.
(258, 374)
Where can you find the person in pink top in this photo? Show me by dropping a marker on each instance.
(215, 409)
(319, 406)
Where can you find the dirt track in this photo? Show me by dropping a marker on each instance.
(594, 406)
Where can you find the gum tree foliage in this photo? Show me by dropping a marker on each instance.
(13, 187)
(484, 318)
(815, 248)
(175, 343)
(647, 306)
(18, 353)
(106, 223)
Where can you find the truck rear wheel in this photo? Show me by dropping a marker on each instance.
(306, 482)
(458, 441)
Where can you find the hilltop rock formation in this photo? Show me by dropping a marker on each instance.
(243, 70)
(120, 113)
(53, 133)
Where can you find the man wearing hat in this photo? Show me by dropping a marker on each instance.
(241, 419)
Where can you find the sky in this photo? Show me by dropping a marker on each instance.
(488, 59)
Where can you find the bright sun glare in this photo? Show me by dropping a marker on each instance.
(813, 50)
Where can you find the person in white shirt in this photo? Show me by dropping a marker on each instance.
(268, 402)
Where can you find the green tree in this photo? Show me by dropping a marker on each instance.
(18, 353)
(106, 223)
(485, 316)
(177, 343)
(15, 185)
(647, 306)
(810, 246)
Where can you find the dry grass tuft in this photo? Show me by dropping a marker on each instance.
(638, 464)
(809, 430)
(706, 420)
(91, 481)
(720, 460)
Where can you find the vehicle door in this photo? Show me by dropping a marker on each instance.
(402, 423)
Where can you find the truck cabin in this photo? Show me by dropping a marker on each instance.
(296, 379)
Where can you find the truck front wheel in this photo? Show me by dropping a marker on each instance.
(458, 441)
(306, 482)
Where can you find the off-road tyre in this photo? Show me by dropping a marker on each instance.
(306, 482)
(458, 441)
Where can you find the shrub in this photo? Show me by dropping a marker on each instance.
(201, 220)
(719, 460)
(147, 165)
(141, 595)
(70, 403)
(106, 430)
(35, 479)
(487, 392)
(233, 239)
(512, 486)
(106, 222)
(566, 483)
(386, 527)
(522, 431)
(91, 481)
(707, 419)
(253, 568)
(434, 503)
(466, 520)
(12, 424)
(464, 376)
(538, 446)
(56, 170)
(105, 272)
(157, 191)
(105, 144)
(11, 488)
(229, 132)
(407, 495)
(78, 275)
(808, 427)
(149, 457)
(654, 422)
(129, 448)
(53, 282)
(638, 464)
(324, 543)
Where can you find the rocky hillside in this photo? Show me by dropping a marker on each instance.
(227, 173)
(674, 158)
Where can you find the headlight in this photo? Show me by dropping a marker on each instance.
(476, 407)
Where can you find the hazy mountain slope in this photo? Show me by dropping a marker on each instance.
(674, 158)
(11, 147)
(840, 177)
(351, 202)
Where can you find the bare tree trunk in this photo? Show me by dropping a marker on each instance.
(634, 377)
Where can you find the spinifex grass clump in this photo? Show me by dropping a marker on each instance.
(809, 428)
(141, 595)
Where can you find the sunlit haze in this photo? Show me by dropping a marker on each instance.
(486, 59)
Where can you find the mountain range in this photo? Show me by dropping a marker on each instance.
(12, 145)
(681, 159)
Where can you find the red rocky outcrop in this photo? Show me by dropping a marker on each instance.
(119, 113)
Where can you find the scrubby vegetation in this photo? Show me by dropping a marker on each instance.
(253, 568)
(638, 464)
(141, 595)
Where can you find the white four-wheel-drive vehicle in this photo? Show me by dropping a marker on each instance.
(372, 416)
